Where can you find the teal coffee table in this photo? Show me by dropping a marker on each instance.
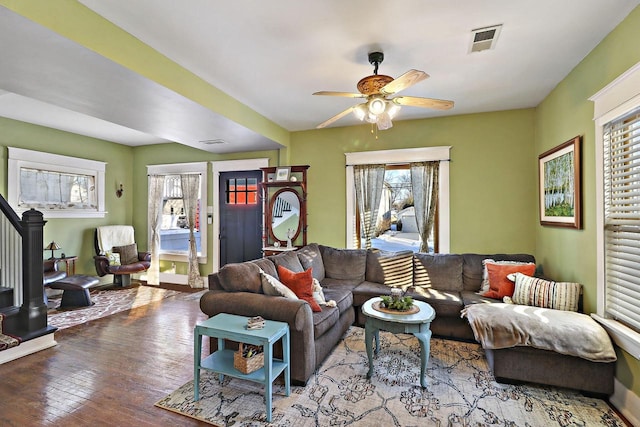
(417, 324)
(228, 326)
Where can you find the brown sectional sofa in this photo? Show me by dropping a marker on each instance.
(447, 282)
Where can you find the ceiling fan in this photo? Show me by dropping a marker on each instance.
(376, 88)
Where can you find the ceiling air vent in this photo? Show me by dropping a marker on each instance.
(213, 141)
(484, 38)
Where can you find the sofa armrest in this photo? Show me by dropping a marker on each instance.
(296, 313)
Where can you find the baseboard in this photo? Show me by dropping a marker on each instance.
(627, 402)
(27, 348)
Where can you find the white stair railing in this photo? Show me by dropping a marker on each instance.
(11, 259)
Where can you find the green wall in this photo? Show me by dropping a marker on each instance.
(490, 176)
(75, 236)
(570, 254)
(493, 174)
(177, 153)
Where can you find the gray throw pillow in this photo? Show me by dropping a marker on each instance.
(128, 253)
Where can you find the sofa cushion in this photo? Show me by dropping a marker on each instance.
(445, 303)
(267, 266)
(342, 297)
(329, 283)
(240, 277)
(470, 297)
(288, 260)
(344, 264)
(545, 293)
(324, 320)
(472, 267)
(393, 269)
(500, 285)
(274, 287)
(367, 290)
(438, 271)
(301, 284)
(310, 257)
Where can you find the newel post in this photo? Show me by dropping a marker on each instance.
(33, 312)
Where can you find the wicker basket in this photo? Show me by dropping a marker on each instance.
(246, 365)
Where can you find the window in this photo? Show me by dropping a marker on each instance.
(396, 160)
(397, 228)
(242, 191)
(617, 118)
(58, 186)
(174, 231)
(622, 219)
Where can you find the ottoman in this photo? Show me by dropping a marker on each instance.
(75, 290)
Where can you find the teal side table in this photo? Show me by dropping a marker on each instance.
(228, 326)
(417, 324)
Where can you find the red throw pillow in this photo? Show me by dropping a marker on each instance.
(301, 284)
(499, 285)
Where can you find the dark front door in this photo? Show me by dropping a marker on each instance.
(240, 217)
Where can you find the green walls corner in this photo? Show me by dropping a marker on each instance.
(75, 236)
(490, 175)
(569, 254)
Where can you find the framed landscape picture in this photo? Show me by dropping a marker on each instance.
(559, 185)
(282, 173)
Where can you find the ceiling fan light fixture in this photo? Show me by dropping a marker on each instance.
(360, 111)
(392, 109)
(384, 121)
(377, 106)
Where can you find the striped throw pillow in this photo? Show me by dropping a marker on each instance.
(545, 293)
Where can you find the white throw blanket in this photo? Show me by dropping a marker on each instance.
(114, 235)
(500, 325)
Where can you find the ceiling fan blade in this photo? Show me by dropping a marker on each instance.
(345, 94)
(413, 101)
(336, 117)
(406, 80)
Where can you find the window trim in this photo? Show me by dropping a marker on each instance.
(20, 158)
(618, 98)
(177, 169)
(403, 155)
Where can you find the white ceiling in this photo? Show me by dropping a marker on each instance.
(273, 55)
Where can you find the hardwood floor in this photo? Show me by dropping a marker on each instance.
(108, 371)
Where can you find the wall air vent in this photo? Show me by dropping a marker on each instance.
(484, 38)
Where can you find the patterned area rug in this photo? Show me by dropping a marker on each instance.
(461, 392)
(106, 303)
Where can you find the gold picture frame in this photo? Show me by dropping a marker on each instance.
(560, 192)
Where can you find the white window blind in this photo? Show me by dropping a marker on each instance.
(621, 139)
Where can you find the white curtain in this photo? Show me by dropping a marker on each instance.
(190, 196)
(156, 192)
(369, 180)
(424, 183)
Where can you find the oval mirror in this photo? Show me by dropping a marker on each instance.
(285, 215)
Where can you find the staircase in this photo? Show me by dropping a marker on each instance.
(7, 341)
(23, 312)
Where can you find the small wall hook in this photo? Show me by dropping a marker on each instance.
(119, 191)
